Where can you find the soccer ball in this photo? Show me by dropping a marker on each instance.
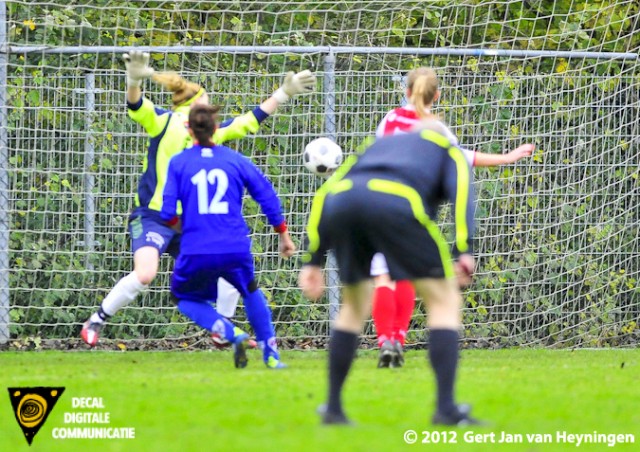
(322, 156)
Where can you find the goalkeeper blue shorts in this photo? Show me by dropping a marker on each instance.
(148, 229)
(195, 276)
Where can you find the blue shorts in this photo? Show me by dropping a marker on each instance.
(148, 229)
(195, 276)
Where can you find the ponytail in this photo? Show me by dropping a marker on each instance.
(184, 91)
(202, 122)
(423, 85)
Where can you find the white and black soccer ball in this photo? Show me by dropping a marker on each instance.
(322, 156)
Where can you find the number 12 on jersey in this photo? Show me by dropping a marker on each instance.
(202, 180)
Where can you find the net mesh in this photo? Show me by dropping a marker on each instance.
(557, 233)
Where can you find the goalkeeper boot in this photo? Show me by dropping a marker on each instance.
(460, 417)
(91, 332)
(398, 358)
(240, 345)
(387, 355)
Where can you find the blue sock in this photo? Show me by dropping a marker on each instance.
(259, 316)
(206, 316)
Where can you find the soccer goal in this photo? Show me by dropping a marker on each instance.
(557, 233)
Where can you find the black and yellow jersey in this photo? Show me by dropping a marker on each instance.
(169, 135)
(423, 168)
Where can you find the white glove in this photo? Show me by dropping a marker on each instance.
(138, 68)
(300, 83)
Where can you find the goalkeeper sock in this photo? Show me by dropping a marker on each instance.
(99, 316)
(205, 316)
(405, 302)
(384, 312)
(342, 350)
(443, 354)
(123, 293)
(259, 316)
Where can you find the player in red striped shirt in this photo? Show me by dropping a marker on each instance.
(394, 301)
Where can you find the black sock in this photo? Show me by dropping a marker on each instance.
(342, 349)
(443, 354)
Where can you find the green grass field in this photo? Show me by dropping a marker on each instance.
(192, 401)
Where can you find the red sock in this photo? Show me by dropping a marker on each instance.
(384, 311)
(405, 302)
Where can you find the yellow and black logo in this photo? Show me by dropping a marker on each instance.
(32, 407)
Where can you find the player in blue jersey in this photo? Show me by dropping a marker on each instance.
(209, 181)
(168, 135)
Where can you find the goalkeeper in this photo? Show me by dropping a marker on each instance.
(406, 177)
(168, 135)
(209, 181)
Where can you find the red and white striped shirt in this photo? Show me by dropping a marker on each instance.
(403, 119)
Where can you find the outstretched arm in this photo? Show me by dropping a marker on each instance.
(141, 110)
(301, 83)
(482, 159)
(138, 69)
(134, 94)
(240, 126)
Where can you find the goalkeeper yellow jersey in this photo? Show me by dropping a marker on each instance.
(169, 135)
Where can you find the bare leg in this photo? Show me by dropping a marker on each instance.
(356, 306)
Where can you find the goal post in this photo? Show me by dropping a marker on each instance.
(5, 302)
(557, 234)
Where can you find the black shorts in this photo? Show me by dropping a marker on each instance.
(359, 222)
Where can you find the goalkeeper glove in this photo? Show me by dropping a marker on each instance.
(138, 69)
(300, 83)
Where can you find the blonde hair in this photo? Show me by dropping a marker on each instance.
(183, 90)
(423, 84)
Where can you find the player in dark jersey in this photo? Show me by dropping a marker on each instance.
(407, 177)
(209, 181)
(394, 301)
